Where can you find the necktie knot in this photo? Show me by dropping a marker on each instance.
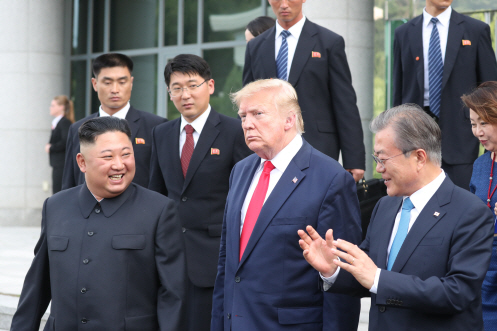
(407, 205)
(285, 33)
(189, 129)
(434, 20)
(268, 167)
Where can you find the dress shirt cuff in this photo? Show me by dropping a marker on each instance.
(374, 288)
(329, 281)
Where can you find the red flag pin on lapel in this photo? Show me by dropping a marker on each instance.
(139, 141)
(466, 42)
(436, 214)
(417, 58)
(215, 151)
(294, 180)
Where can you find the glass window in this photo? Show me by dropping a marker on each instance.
(144, 95)
(79, 83)
(227, 74)
(227, 19)
(171, 23)
(79, 26)
(98, 26)
(190, 18)
(133, 24)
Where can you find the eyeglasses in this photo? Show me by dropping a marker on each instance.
(177, 91)
(382, 161)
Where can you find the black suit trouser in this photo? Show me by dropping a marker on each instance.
(199, 307)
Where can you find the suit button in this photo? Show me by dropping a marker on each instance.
(97, 210)
(229, 316)
(84, 320)
(83, 290)
(183, 229)
(237, 279)
(388, 301)
(86, 261)
(382, 309)
(91, 233)
(184, 199)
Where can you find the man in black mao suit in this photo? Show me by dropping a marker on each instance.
(469, 60)
(113, 83)
(428, 245)
(110, 255)
(199, 187)
(320, 74)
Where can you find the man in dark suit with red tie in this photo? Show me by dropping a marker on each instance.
(313, 60)
(191, 161)
(439, 56)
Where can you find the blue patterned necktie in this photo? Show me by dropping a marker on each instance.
(282, 59)
(405, 218)
(435, 69)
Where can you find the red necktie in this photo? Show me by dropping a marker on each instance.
(255, 206)
(186, 153)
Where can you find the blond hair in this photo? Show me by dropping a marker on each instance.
(68, 106)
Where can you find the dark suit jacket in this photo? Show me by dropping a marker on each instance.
(465, 67)
(141, 124)
(117, 265)
(58, 140)
(324, 88)
(273, 287)
(200, 196)
(436, 279)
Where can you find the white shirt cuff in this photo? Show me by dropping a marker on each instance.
(329, 281)
(374, 288)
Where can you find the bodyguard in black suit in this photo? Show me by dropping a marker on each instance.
(469, 60)
(110, 255)
(199, 187)
(113, 83)
(320, 74)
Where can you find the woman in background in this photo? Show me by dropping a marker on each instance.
(482, 104)
(258, 26)
(62, 109)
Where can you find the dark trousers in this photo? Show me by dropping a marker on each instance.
(57, 179)
(199, 307)
(459, 174)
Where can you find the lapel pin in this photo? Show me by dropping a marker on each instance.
(466, 42)
(294, 180)
(417, 58)
(436, 214)
(316, 54)
(139, 141)
(215, 151)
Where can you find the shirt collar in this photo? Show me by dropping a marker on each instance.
(56, 120)
(444, 17)
(286, 155)
(199, 123)
(109, 206)
(120, 114)
(295, 30)
(421, 197)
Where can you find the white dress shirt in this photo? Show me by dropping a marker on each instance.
(120, 114)
(198, 125)
(280, 162)
(56, 121)
(291, 40)
(443, 32)
(419, 200)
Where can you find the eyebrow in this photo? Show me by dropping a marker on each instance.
(188, 81)
(110, 78)
(110, 150)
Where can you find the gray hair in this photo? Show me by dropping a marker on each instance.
(285, 97)
(413, 128)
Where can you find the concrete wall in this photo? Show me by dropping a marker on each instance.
(353, 20)
(31, 74)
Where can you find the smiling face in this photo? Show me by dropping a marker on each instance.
(108, 164)
(113, 86)
(288, 12)
(191, 104)
(485, 132)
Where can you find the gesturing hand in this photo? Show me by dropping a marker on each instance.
(317, 251)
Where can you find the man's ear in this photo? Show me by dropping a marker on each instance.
(290, 121)
(94, 83)
(80, 158)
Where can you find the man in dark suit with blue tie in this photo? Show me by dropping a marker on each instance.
(191, 162)
(113, 83)
(429, 242)
(313, 60)
(263, 283)
(439, 56)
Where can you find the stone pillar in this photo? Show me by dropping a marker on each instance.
(353, 20)
(31, 74)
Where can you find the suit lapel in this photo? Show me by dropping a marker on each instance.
(268, 59)
(388, 213)
(207, 137)
(416, 44)
(283, 189)
(303, 51)
(454, 38)
(424, 223)
(133, 118)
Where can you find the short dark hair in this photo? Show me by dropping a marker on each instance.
(260, 24)
(187, 64)
(483, 101)
(111, 60)
(91, 129)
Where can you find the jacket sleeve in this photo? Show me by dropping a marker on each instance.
(68, 179)
(486, 65)
(36, 291)
(248, 76)
(156, 181)
(397, 70)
